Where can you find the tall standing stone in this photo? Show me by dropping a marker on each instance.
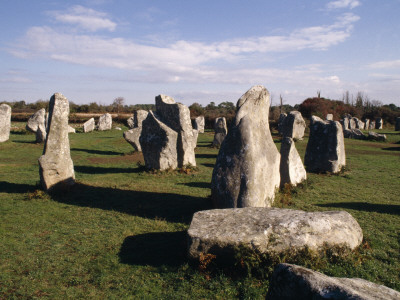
(366, 122)
(246, 173)
(291, 168)
(281, 121)
(199, 124)
(397, 126)
(325, 148)
(105, 122)
(378, 123)
(5, 122)
(294, 125)
(55, 165)
(88, 126)
(220, 130)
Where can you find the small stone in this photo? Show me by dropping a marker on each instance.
(199, 124)
(353, 134)
(378, 123)
(38, 118)
(220, 130)
(329, 117)
(366, 122)
(5, 122)
(294, 125)
(376, 136)
(89, 125)
(71, 129)
(291, 168)
(105, 122)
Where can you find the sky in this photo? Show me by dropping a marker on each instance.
(198, 51)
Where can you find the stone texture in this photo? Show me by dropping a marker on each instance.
(41, 133)
(376, 136)
(5, 122)
(281, 121)
(132, 136)
(55, 165)
(71, 129)
(138, 117)
(325, 148)
(397, 126)
(38, 118)
(291, 167)
(89, 125)
(270, 230)
(371, 125)
(294, 126)
(130, 122)
(295, 282)
(220, 130)
(354, 134)
(199, 123)
(159, 144)
(195, 136)
(246, 172)
(177, 117)
(345, 123)
(352, 123)
(329, 117)
(378, 123)
(366, 122)
(105, 122)
(359, 124)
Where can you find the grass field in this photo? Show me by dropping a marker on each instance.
(120, 232)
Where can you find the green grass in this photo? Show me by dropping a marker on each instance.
(120, 232)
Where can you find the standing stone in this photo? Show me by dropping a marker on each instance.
(345, 123)
(195, 135)
(281, 121)
(296, 282)
(159, 144)
(88, 126)
(71, 129)
(220, 130)
(371, 125)
(38, 118)
(199, 124)
(325, 149)
(352, 123)
(397, 126)
(291, 168)
(294, 125)
(378, 123)
(177, 117)
(246, 172)
(366, 122)
(329, 117)
(105, 122)
(130, 122)
(359, 124)
(138, 117)
(132, 136)
(5, 122)
(41, 134)
(55, 165)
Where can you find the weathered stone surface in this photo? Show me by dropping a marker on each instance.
(195, 136)
(376, 136)
(246, 172)
(5, 122)
(220, 130)
(130, 122)
(89, 125)
(345, 123)
(291, 168)
(366, 122)
(397, 126)
(325, 148)
(378, 123)
(177, 117)
(105, 122)
(294, 126)
(41, 134)
(354, 134)
(359, 124)
(159, 144)
(138, 117)
(371, 125)
(71, 129)
(329, 117)
(281, 121)
(270, 230)
(38, 118)
(352, 123)
(55, 165)
(199, 123)
(295, 282)
(132, 137)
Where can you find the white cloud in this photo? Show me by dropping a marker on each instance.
(343, 4)
(389, 64)
(85, 18)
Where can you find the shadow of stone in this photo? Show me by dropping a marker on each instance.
(175, 208)
(203, 185)
(103, 170)
(98, 151)
(155, 249)
(209, 165)
(9, 187)
(206, 155)
(364, 206)
(27, 142)
(392, 148)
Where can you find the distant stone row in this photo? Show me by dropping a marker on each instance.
(352, 127)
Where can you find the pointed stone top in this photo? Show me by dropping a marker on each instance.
(164, 99)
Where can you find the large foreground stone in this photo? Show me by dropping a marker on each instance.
(105, 122)
(293, 282)
(55, 165)
(294, 125)
(5, 122)
(325, 148)
(270, 230)
(38, 118)
(246, 172)
(199, 124)
(291, 168)
(220, 130)
(158, 142)
(89, 125)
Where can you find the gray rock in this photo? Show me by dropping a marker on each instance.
(199, 124)
(291, 168)
(366, 122)
(359, 124)
(159, 144)
(220, 130)
(5, 122)
(354, 134)
(371, 125)
(138, 117)
(295, 282)
(376, 136)
(345, 123)
(88, 126)
(329, 117)
(397, 126)
(281, 121)
(378, 123)
(105, 122)
(130, 122)
(132, 136)
(177, 117)
(325, 148)
(270, 230)
(246, 172)
(195, 135)
(352, 123)
(294, 126)
(71, 129)
(38, 118)
(55, 165)
(41, 134)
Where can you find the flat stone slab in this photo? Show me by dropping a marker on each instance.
(270, 230)
(295, 282)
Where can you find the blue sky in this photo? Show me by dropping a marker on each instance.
(198, 51)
